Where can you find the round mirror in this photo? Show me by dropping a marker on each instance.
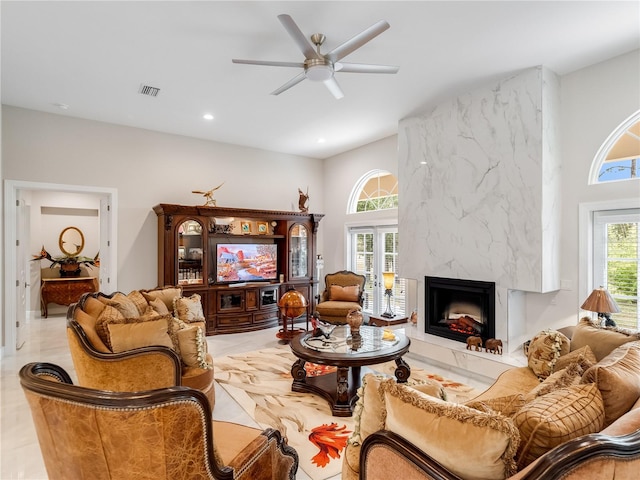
(71, 241)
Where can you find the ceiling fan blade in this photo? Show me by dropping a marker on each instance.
(356, 42)
(268, 63)
(334, 88)
(303, 43)
(364, 68)
(294, 81)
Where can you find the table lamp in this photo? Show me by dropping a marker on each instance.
(388, 278)
(601, 302)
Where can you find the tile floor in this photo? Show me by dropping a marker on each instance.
(46, 341)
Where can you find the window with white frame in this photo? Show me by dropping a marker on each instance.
(619, 156)
(377, 190)
(616, 262)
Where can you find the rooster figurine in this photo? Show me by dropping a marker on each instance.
(211, 202)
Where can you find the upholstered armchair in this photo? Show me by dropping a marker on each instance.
(344, 291)
(160, 434)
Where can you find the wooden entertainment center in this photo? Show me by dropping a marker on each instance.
(196, 242)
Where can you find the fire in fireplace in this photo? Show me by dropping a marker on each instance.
(457, 309)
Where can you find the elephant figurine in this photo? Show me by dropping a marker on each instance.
(493, 345)
(474, 343)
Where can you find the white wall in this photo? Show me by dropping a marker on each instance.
(148, 168)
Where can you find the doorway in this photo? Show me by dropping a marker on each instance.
(16, 255)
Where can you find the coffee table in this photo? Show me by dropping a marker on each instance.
(339, 388)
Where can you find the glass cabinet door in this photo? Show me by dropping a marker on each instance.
(299, 253)
(190, 253)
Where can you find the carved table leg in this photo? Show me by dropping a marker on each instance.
(403, 370)
(342, 388)
(298, 372)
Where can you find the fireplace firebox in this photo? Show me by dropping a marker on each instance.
(456, 309)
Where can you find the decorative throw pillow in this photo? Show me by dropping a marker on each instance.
(565, 377)
(339, 293)
(193, 347)
(545, 349)
(188, 309)
(580, 355)
(139, 301)
(159, 306)
(133, 333)
(468, 442)
(166, 294)
(108, 315)
(88, 324)
(507, 405)
(557, 417)
(93, 307)
(617, 376)
(123, 304)
(602, 340)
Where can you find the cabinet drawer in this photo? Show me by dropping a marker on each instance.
(223, 321)
(265, 316)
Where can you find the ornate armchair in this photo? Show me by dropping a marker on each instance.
(344, 291)
(159, 434)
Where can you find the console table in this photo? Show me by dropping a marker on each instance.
(64, 291)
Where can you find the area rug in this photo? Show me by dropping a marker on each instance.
(260, 381)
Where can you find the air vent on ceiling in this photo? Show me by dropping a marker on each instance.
(149, 90)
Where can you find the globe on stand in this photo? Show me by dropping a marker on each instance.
(292, 305)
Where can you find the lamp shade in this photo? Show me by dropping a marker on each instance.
(388, 279)
(600, 301)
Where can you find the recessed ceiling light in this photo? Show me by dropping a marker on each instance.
(207, 116)
(321, 140)
(423, 162)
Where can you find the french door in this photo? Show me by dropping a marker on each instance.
(374, 250)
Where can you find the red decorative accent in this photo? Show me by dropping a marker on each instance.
(331, 440)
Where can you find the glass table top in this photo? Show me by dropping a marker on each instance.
(372, 339)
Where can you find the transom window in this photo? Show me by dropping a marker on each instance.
(619, 156)
(377, 190)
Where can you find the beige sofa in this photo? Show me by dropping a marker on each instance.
(573, 413)
(144, 340)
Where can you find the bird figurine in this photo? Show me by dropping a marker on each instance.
(211, 202)
(302, 201)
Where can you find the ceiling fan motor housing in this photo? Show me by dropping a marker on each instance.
(318, 69)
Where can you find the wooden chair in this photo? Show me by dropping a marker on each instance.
(344, 291)
(159, 434)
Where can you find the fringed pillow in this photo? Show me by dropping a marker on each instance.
(188, 309)
(468, 442)
(545, 349)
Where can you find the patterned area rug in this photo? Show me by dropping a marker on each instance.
(260, 381)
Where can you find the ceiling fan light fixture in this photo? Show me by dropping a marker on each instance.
(319, 73)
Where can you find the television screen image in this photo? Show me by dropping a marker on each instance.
(242, 262)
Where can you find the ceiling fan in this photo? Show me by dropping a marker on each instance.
(320, 67)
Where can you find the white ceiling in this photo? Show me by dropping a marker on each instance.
(93, 57)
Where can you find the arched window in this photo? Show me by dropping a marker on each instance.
(376, 190)
(619, 156)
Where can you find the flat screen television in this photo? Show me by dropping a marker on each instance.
(246, 262)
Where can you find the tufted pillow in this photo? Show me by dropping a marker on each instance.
(188, 309)
(580, 355)
(193, 347)
(602, 340)
(166, 294)
(544, 350)
(557, 417)
(617, 376)
(134, 333)
(468, 442)
(123, 304)
(339, 293)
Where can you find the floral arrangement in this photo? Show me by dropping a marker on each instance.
(68, 263)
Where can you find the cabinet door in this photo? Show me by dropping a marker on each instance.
(190, 253)
(230, 301)
(298, 252)
(269, 297)
(251, 299)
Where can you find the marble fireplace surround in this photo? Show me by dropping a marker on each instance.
(479, 182)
